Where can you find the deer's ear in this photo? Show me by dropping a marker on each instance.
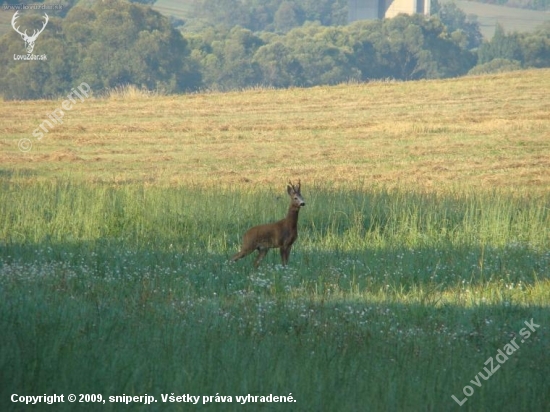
(289, 189)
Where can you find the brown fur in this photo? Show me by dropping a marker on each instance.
(279, 235)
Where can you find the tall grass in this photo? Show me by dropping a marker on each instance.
(392, 299)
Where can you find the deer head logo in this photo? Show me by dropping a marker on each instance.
(29, 40)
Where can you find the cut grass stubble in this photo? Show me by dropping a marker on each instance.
(479, 132)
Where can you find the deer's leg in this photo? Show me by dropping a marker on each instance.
(261, 255)
(285, 253)
(244, 252)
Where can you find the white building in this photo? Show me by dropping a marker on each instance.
(379, 9)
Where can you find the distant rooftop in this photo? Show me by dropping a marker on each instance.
(379, 9)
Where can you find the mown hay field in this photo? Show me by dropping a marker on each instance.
(476, 132)
(422, 248)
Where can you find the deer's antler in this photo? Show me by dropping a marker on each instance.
(15, 16)
(294, 187)
(29, 40)
(35, 32)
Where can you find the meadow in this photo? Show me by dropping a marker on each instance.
(422, 248)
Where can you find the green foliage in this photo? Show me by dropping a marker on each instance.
(535, 47)
(449, 44)
(406, 47)
(226, 59)
(269, 15)
(288, 16)
(459, 25)
(501, 46)
(111, 44)
(496, 66)
(411, 47)
(279, 68)
(321, 55)
(507, 52)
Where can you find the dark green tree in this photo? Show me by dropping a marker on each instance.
(288, 16)
(323, 54)
(270, 15)
(535, 47)
(110, 44)
(326, 12)
(30, 79)
(408, 48)
(278, 66)
(226, 58)
(463, 27)
(501, 46)
(496, 66)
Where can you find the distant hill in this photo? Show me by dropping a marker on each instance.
(176, 8)
(511, 18)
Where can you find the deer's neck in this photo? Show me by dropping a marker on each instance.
(292, 216)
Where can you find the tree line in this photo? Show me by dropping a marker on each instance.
(114, 43)
(266, 15)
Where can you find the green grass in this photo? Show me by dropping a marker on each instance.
(422, 250)
(393, 299)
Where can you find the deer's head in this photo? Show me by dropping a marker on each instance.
(29, 40)
(295, 196)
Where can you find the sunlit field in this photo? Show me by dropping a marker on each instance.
(423, 248)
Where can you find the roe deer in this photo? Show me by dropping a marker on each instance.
(279, 235)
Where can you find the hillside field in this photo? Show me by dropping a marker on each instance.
(512, 19)
(420, 279)
(478, 132)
